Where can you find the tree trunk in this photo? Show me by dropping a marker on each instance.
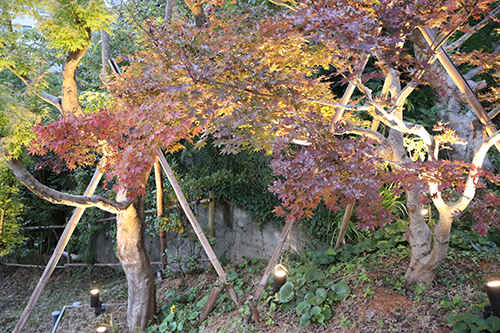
(423, 269)
(135, 262)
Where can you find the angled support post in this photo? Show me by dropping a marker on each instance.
(196, 227)
(337, 116)
(461, 83)
(63, 241)
(267, 273)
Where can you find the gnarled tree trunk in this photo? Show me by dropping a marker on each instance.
(425, 262)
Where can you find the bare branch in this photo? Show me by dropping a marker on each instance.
(351, 129)
(477, 161)
(51, 99)
(391, 120)
(338, 105)
(57, 197)
(474, 29)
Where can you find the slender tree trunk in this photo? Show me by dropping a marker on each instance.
(2, 218)
(169, 10)
(418, 235)
(135, 262)
(69, 95)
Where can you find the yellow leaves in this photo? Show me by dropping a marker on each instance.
(174, 147)
(448, 136)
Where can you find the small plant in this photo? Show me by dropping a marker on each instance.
(472, 323)
(311, 295)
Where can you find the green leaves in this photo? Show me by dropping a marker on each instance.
(469, 322)
(311, 294)
(67, 24)
(286, 292)
(339, 291)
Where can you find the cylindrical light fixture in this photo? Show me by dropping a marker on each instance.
(101, 329)
(493, 291)
(279, 277)
(55, 315)
(94, 298)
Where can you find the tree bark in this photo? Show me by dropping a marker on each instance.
(169, 10)
(423, 268)
(131, 251)
(69, 94)
(197, 10)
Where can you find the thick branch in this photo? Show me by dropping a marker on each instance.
(391, 120)
(474, 29)
(339, 105)
(57, 197)
(70, 102)
(197, 10)
(477, 161)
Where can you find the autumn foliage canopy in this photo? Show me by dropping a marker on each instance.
(250, 79)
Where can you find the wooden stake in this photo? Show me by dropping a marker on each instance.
(160, 213)
(270, 266)
(344, 225)
(196, 227)
(210, 304)
(461, 83)
(211, 214)
(63, 241)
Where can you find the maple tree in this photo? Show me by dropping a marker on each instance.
(249, 79)
(66, 28)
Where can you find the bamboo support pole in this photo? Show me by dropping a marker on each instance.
(113, 264)
(211, 214)
(344, 225)
(68, 231)
(347, 95)
(461, 83)
(46, 227)
(196, 227)
(160, 213)
(210, 304)
(270, 267)
(338, 115)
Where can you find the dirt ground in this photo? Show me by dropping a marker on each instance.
(65, 287)
(375, 306)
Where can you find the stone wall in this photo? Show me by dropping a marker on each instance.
(237, 235)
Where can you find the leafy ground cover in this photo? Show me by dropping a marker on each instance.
(358, 288)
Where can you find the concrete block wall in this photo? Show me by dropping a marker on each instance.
(237, 235)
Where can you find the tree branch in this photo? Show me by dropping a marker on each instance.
(474, 29)
(51, 99)
(351, 129)
(339, 105)
(477, 161)
(70, 102)
(398, 124)
(57, 197)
